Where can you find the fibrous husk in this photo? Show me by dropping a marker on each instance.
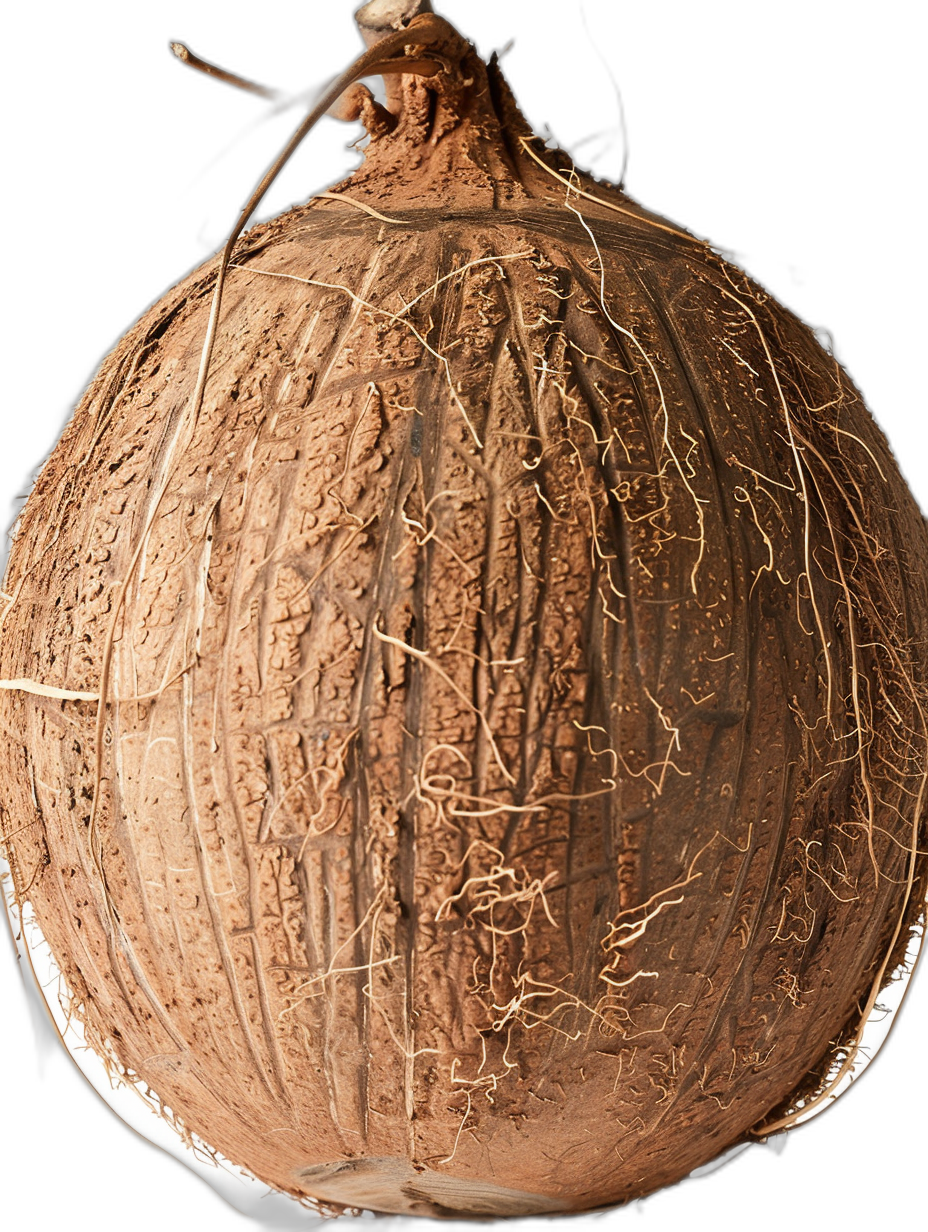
(507, 775)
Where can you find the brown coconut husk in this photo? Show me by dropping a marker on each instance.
(465, 723)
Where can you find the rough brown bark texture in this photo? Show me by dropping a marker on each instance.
(514, 736)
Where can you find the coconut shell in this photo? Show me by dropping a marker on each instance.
(500, 783)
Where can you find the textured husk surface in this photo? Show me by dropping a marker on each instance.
(514, 740)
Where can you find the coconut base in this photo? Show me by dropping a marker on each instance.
(397, 1187)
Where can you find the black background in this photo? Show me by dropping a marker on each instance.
(788, 139)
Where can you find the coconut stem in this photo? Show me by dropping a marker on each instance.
(382, 17)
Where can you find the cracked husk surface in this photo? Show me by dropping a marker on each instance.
(510, 742)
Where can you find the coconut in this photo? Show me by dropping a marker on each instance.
(465, 724)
